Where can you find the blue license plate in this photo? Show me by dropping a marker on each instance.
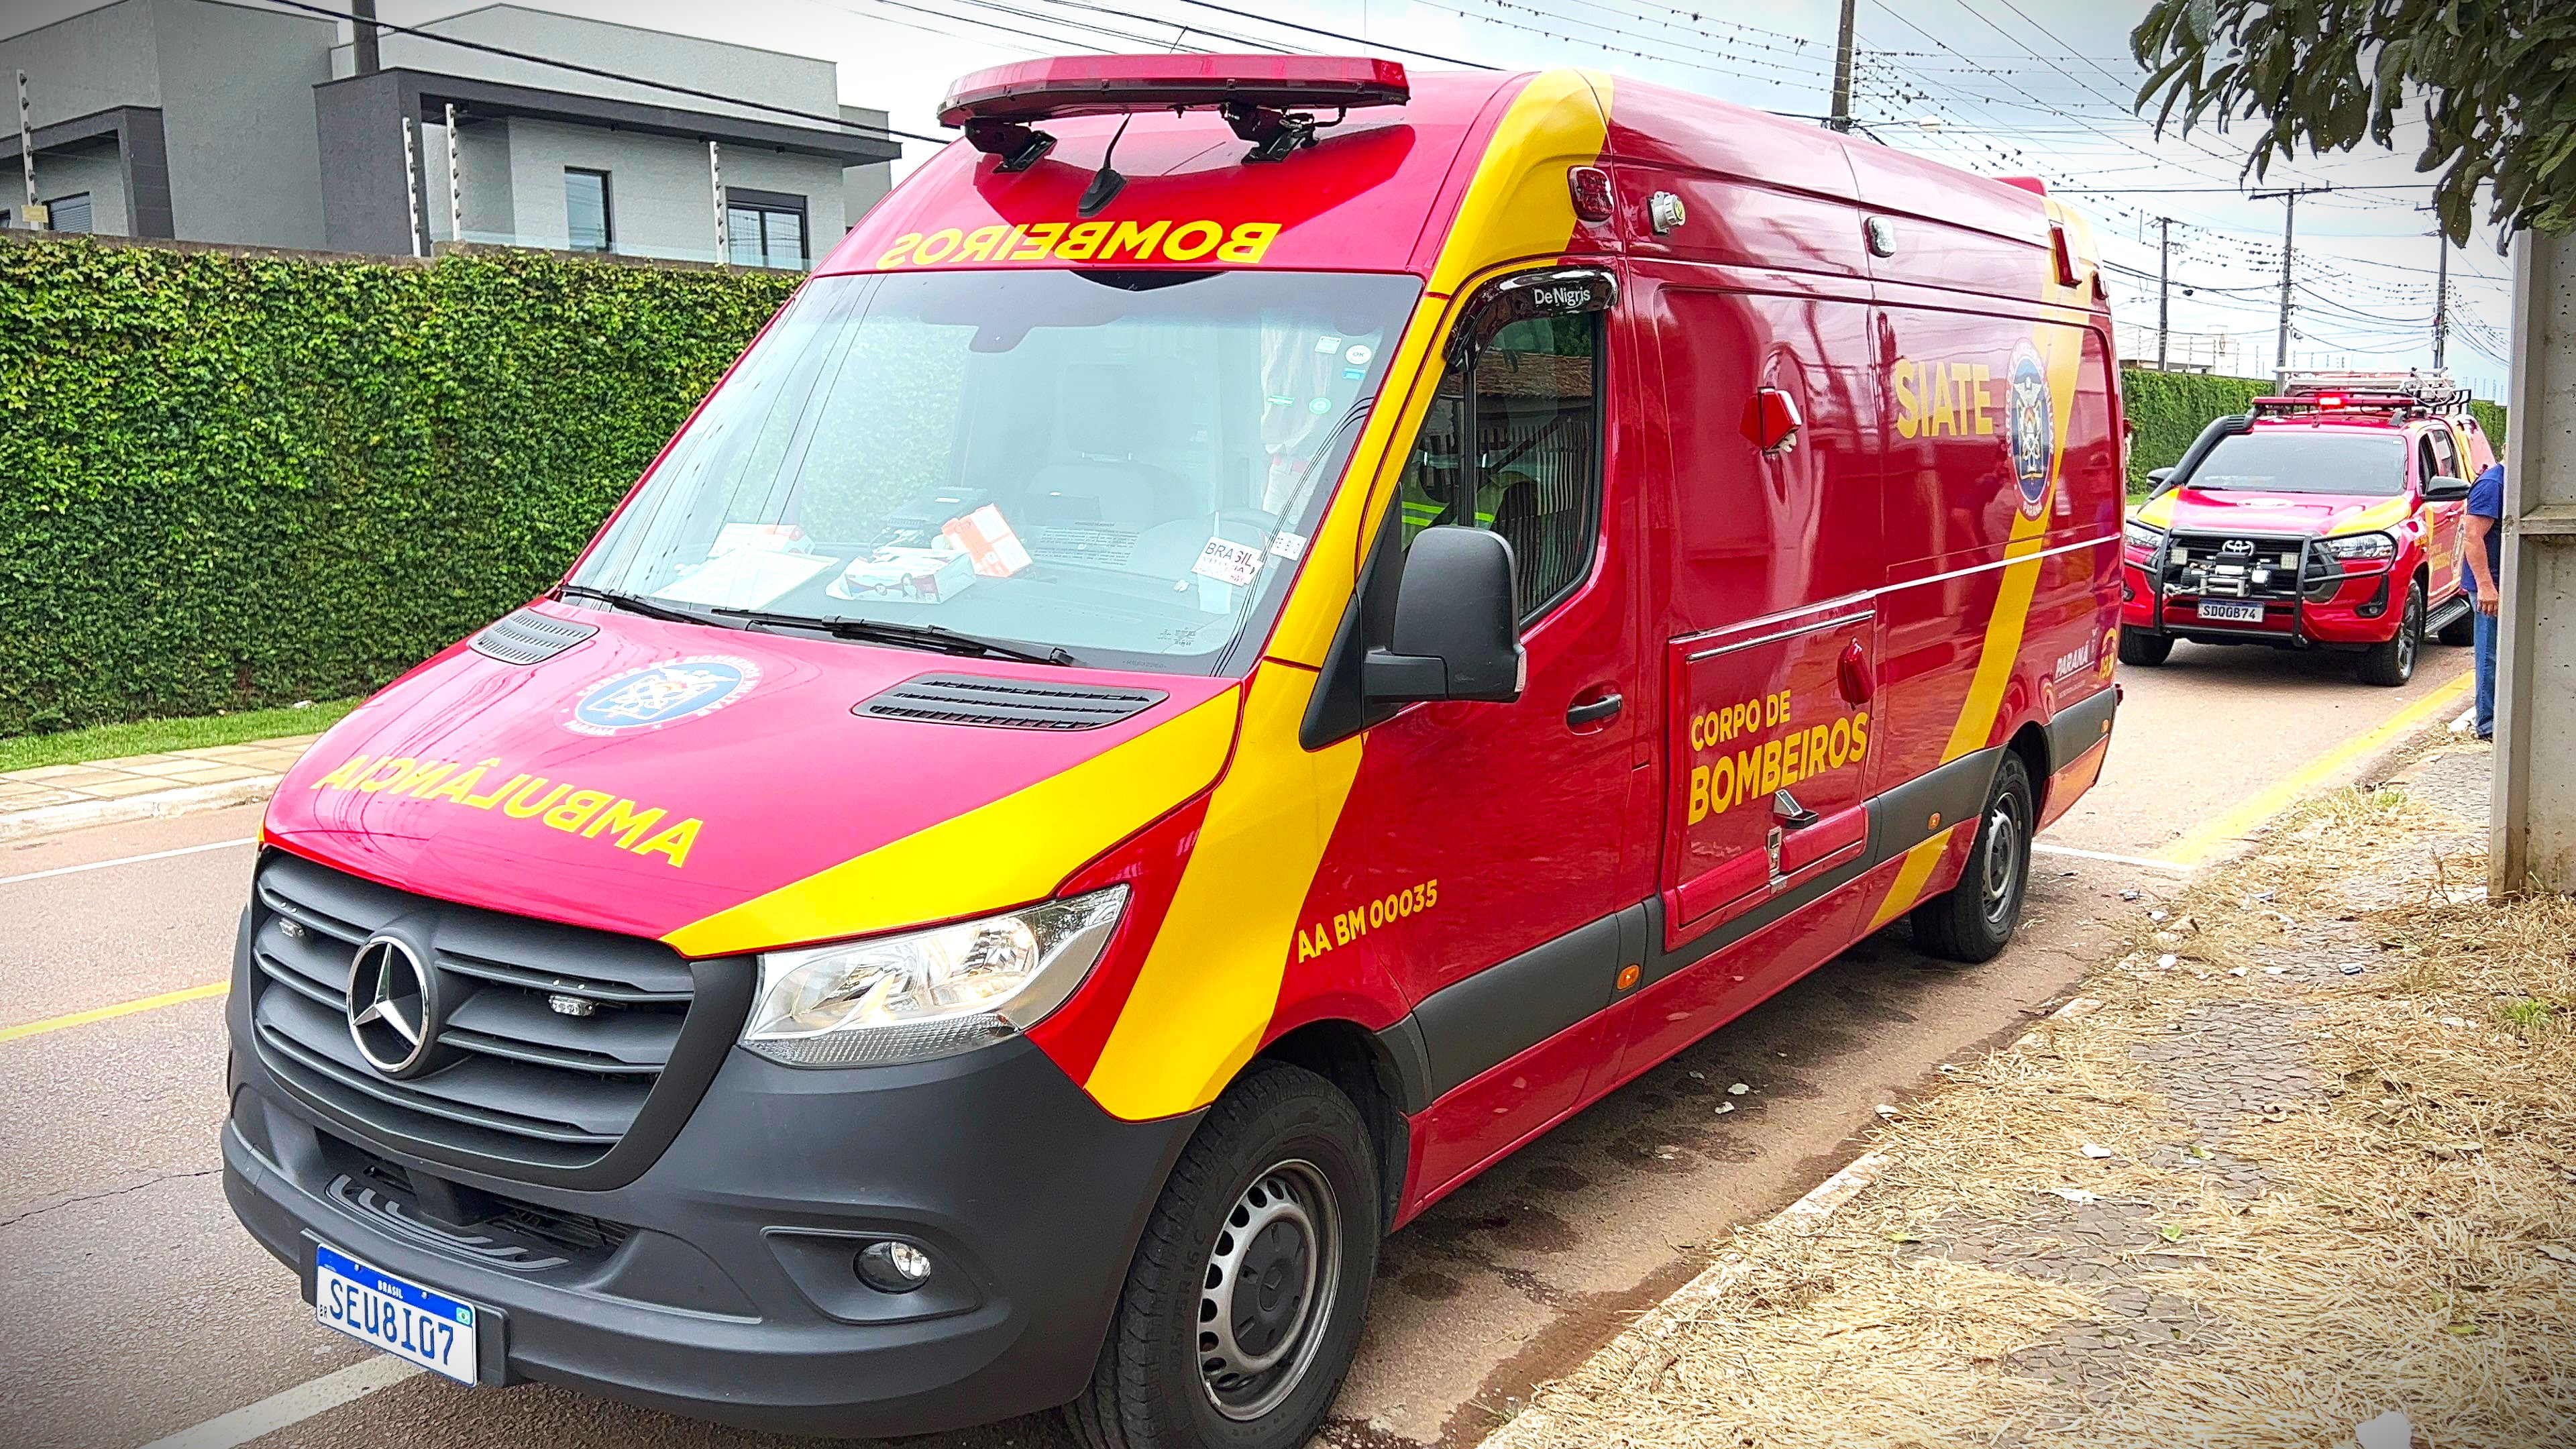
(401, 1317)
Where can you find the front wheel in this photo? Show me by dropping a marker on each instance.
(2137, 646)
(1242, 1307)
(1972, 920)
(2392, 660)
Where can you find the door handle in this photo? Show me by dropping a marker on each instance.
(1789, 813)
(1853, 669)
(1593, 711)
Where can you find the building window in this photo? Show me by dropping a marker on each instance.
(71, 213)
(765, 229)
(586, 217)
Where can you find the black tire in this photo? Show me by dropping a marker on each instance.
(2391, 662)
(1285, 1146)
(1972, 920)
(2461, 632)
(2139, 647)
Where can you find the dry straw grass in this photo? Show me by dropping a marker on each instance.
(2412, 1246)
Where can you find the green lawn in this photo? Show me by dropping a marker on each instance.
(143, 737)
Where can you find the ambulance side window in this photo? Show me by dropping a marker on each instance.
(1534, 474)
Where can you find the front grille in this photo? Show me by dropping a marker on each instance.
(514, 1082)
(2240, 566)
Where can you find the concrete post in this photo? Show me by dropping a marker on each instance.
(411, 184)
(715, 185)
(2533, 840)
(455, 183)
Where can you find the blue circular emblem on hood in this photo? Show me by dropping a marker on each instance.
(663, 694)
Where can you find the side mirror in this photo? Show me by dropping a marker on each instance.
(2156, 477)
(1457, 628)
(2441, 489)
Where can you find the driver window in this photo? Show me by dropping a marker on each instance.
(2439, 460)
(1535, 473)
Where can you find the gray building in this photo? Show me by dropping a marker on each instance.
(213, 121)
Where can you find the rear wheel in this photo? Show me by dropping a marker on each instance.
(2137, 646)
(1972, 920)
(1242, 1308)
(2392, 660)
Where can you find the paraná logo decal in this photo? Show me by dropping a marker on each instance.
(663, 694)
(2033, 427)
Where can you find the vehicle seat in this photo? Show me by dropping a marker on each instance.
(1106, 417)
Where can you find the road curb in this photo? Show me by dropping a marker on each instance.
(158, 805)
(1808, 1214)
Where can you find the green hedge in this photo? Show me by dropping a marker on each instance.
(2169, 409)
(229, 480)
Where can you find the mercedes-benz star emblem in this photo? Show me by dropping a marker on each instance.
(393, 1006)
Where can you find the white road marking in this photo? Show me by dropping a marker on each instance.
(293, 1406)
(2142, 862)
(120, 860)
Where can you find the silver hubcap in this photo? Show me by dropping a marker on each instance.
(1268, 1290)
(2001, 883)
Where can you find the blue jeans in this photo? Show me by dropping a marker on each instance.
(2483, 642)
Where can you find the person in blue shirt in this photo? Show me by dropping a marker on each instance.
(2478, 575)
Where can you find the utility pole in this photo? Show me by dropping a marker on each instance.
(2164, 283)
(1842, 117)
(2441, 298)
(2289, 225)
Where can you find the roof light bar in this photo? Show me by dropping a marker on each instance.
(1255, 94)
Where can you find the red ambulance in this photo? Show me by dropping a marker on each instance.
(1263, 631)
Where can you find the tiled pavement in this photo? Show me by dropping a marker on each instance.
(134, 775)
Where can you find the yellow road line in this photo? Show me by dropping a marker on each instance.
(2199, 844)
(122, 1008)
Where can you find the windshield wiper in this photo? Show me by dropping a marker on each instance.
(633, 604)
(911, 636)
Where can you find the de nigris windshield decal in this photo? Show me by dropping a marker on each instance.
(662, 694)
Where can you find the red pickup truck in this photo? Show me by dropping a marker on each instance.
(2331, 517)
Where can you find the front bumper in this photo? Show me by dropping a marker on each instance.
(2353, 608)
(719, 1283)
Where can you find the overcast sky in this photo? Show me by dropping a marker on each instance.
(1999, 87)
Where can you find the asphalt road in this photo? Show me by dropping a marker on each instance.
(133, 1307)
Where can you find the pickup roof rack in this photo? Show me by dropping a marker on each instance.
(2431, 390)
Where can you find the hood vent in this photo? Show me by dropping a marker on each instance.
(528, 637)
(1010, 704)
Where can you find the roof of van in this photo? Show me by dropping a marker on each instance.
(1468, 172)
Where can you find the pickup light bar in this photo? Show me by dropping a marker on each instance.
(1259, 96)
(2396, 406)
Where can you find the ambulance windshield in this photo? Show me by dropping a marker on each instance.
(2304, 460)
(1123, 465)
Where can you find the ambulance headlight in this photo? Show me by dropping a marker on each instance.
(931, 993)
(2360, 545)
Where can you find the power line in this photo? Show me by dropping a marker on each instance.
(620, 76)
(1337, 35)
